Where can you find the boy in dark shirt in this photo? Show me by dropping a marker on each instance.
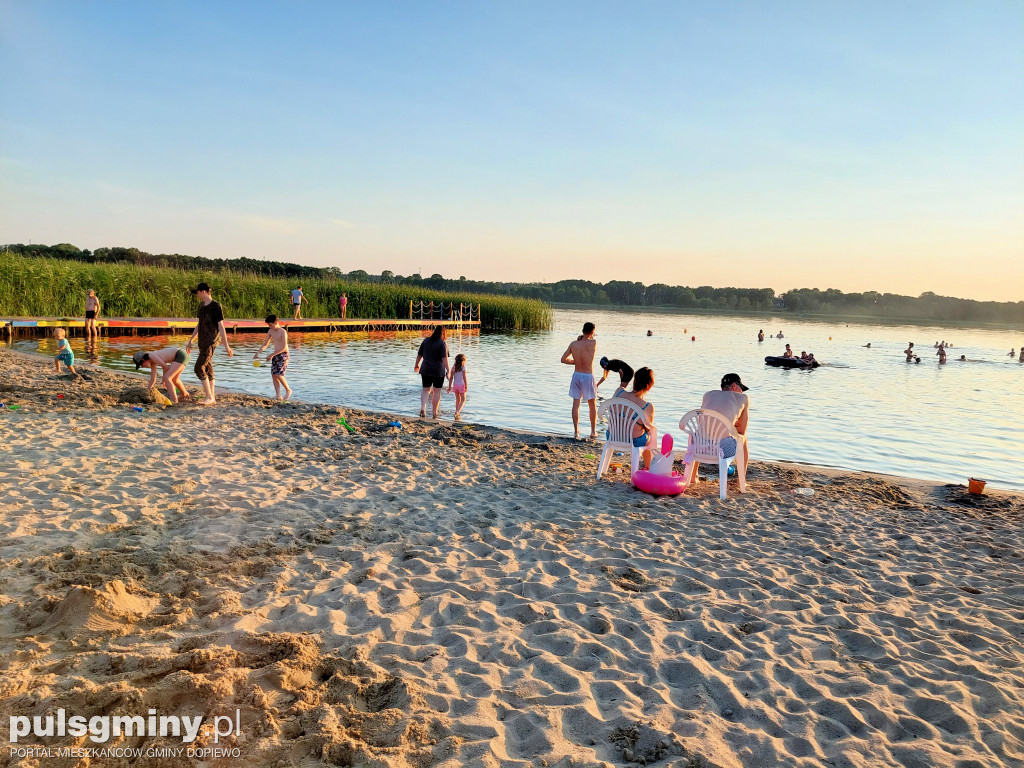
(210, 329)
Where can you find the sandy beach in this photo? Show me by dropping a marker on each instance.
(449, 595)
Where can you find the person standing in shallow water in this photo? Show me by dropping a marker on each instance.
(92, 311)
(433, 353)
(580, 355)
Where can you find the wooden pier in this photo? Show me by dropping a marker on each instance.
(13, 327)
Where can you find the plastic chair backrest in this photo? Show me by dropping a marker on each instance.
(706, 430)
(622, 415)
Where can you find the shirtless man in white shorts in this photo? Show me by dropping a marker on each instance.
(580, 354)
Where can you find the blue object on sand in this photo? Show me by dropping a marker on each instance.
(396, 424)
(138, 408)
(732, 470)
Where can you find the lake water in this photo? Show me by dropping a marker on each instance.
(863, 409)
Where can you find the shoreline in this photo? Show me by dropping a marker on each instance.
(522, 432)
(449, 594)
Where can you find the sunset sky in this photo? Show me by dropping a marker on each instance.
(854, 145)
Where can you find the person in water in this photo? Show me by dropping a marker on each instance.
(789, 352)
(580, 355)
(650, 333)
(779, 335)
(909, 351)
(941, 352)
(868, 345)
(760, 335)
(277, 335)
(803, 356)
(618, 366)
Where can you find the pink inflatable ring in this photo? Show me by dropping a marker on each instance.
(659, 485)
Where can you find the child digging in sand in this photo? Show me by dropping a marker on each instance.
(64, 353)
(279, 359)
(458, 382)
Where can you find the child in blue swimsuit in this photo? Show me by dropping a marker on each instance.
(64, 352)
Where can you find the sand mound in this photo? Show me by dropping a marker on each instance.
(143, 396)
(85, 609)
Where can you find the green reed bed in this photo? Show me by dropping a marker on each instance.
(43, 287)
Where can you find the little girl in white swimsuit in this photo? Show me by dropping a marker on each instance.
(458, 383)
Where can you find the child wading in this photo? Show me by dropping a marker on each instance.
(279, 359)
(64, 353)
(458, 383)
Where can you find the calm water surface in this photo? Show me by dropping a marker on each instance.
(864, 409)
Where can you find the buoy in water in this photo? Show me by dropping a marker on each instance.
(693, 338)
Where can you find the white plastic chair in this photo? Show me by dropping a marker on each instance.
(706, 430)
(622, 415)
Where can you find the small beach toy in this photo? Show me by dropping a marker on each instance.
(255, 363)
(138, 408)
(804, 491)
(976, 486)
(693, 338)
(346, 425)
(13, 407)
(59, 397)
(395, 424)
(589, 456)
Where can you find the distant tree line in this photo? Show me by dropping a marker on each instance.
(621, 293)
(174, 260)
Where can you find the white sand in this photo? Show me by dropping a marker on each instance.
(455, 596)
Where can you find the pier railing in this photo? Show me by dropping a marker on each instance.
(442, 310)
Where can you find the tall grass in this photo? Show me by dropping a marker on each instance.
(44, 287)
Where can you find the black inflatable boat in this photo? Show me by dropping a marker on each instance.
(790, 362)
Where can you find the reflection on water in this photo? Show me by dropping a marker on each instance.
(865, 408)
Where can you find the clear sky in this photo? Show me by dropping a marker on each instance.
(854, 145)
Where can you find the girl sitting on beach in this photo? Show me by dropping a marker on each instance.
(643, 381)
(458, 382)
